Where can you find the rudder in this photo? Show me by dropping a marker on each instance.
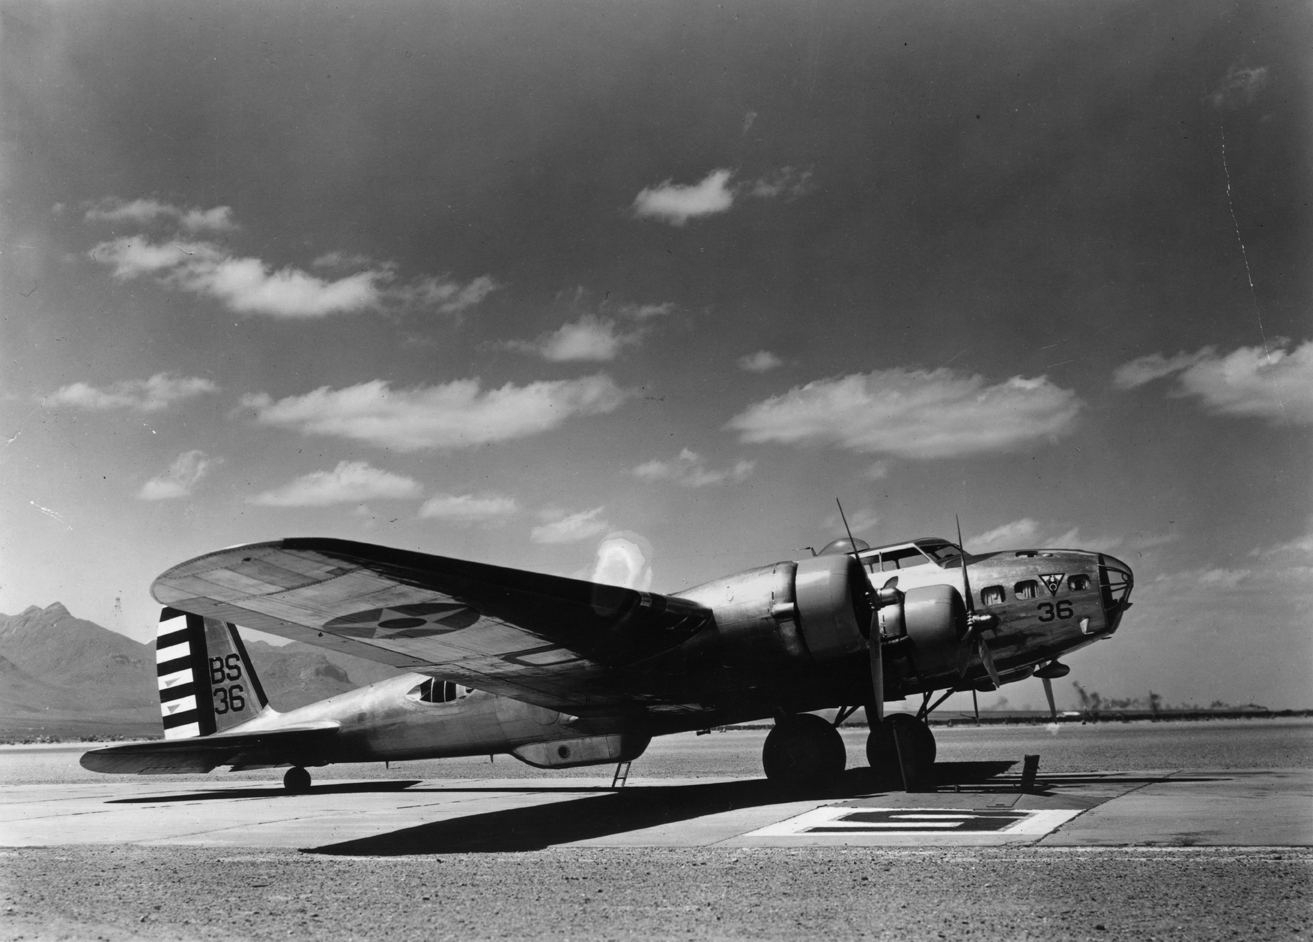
(206, 681)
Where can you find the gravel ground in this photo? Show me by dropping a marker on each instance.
(1012, 893)
(617, 893)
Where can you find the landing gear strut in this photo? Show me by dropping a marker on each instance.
(901, 750)
(296, 780)
(803, 750)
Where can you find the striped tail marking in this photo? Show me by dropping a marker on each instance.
(183, 673)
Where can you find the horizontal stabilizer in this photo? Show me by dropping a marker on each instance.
(301, 745)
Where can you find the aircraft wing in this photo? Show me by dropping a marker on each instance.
(296, 746)
(569, 645)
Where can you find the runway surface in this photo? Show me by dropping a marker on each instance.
(1163, 853)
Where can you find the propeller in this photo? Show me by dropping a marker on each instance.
(977, 623)
(1048, 692)
(878, 600)
(1046, 673)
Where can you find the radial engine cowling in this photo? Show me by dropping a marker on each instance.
(832, 610)
(934, 618)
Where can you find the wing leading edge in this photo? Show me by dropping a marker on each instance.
(566, 644)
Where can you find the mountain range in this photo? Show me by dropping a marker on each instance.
(65, 677)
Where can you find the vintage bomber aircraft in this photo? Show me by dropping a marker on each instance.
(561, 672)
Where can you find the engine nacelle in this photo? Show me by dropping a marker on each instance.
(934, 618)
(829, 595)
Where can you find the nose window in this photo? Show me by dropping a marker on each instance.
(1027, 590)
(1078, 583)
(992, 595)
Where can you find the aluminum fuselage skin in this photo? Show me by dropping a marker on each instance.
(752, 663)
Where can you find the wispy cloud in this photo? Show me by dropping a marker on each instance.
(179, 479)
(1029, 533)
(787, 183)
(145, 212)
(459, 414)
(689, 470)
(249, 285)
(469, 508)
(763, 361)
(141, 395)
(1240, 86)
(560, 527)
(677, 203)
(1252, 382)
(860, 520)
(913, 414)
(351, 482)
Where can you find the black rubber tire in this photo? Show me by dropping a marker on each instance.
(296, 780)
(916, 746)
(804, 751)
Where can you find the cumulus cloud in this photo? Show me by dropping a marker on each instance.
(1240, 86)
(677, 203)
(912, 414)
(763, 361)
(244, 285)
(468, 508)
(594, 337)
(622, 559)
(1251, 382)
(459, 414)
(350, 482)
(179, 479)
(142, 395)
(689, 470)
(558, 527)
(144, 212)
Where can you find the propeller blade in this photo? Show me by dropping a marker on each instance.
(966, 582)
(877, 675)
(1048, 692)
(988, 660)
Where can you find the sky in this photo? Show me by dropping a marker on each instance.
(634, 291)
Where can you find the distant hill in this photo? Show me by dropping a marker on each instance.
(62, 676)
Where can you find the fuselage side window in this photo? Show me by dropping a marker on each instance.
(1027, 590)
(1078, 583)
(992, 595)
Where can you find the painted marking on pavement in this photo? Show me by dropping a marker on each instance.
(941, 821)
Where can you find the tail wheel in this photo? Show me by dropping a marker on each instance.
(803, 750)
(902, 750)
(296, 780)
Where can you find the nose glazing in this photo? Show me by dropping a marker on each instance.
(1115, 583)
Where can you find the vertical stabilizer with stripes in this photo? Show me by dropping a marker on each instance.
(206, 680)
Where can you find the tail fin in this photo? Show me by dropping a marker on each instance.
(207, 683)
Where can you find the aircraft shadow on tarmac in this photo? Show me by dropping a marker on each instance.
(615, 812)
(269, 791)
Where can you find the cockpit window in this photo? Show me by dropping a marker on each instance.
(1027, 590)
(1078, 583)
(904, 558)
(940, 551)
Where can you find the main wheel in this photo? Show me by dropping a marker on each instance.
(803, 750)
(296, 780)
(902, 751)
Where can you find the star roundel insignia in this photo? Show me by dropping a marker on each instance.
(421, 620)
(1052, 580)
